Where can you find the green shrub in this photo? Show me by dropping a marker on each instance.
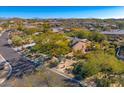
(53, 64)
(98, 61)
(54, 44)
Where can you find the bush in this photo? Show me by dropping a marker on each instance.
(97, 37)
(54, 44)
(83, 33)
(80, 33)
(78, 54)
(98, 61)
(31, 31)
(53, 64)
(103, 82)
(16, 40)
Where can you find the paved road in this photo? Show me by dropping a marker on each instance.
(113, 32)
(19, 66)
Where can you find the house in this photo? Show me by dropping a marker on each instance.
(78, 44)
(81, 45)
(57, 29)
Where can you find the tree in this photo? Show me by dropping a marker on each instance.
(5, 25)
(54, 44)
(98, 61)
(80, 33)
(46, 27)
(121, 25)
(31, 31)
(16, 40)
(53, 64)
(20, 27)
(97, 37)
(86, 34)
(78, 54)
(103, 82)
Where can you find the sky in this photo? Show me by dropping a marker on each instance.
(62, 11)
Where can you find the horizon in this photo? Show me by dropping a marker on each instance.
(62, 12)
(56, 18)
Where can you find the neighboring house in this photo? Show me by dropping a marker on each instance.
(78, 45)
(73, 40)
(30, 26)
(37, 23)
(81, 45)
(57, 29)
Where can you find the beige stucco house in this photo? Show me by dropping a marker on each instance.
(81, 46)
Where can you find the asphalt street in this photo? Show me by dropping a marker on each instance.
(19, 66)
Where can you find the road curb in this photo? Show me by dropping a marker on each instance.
(9, 71)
